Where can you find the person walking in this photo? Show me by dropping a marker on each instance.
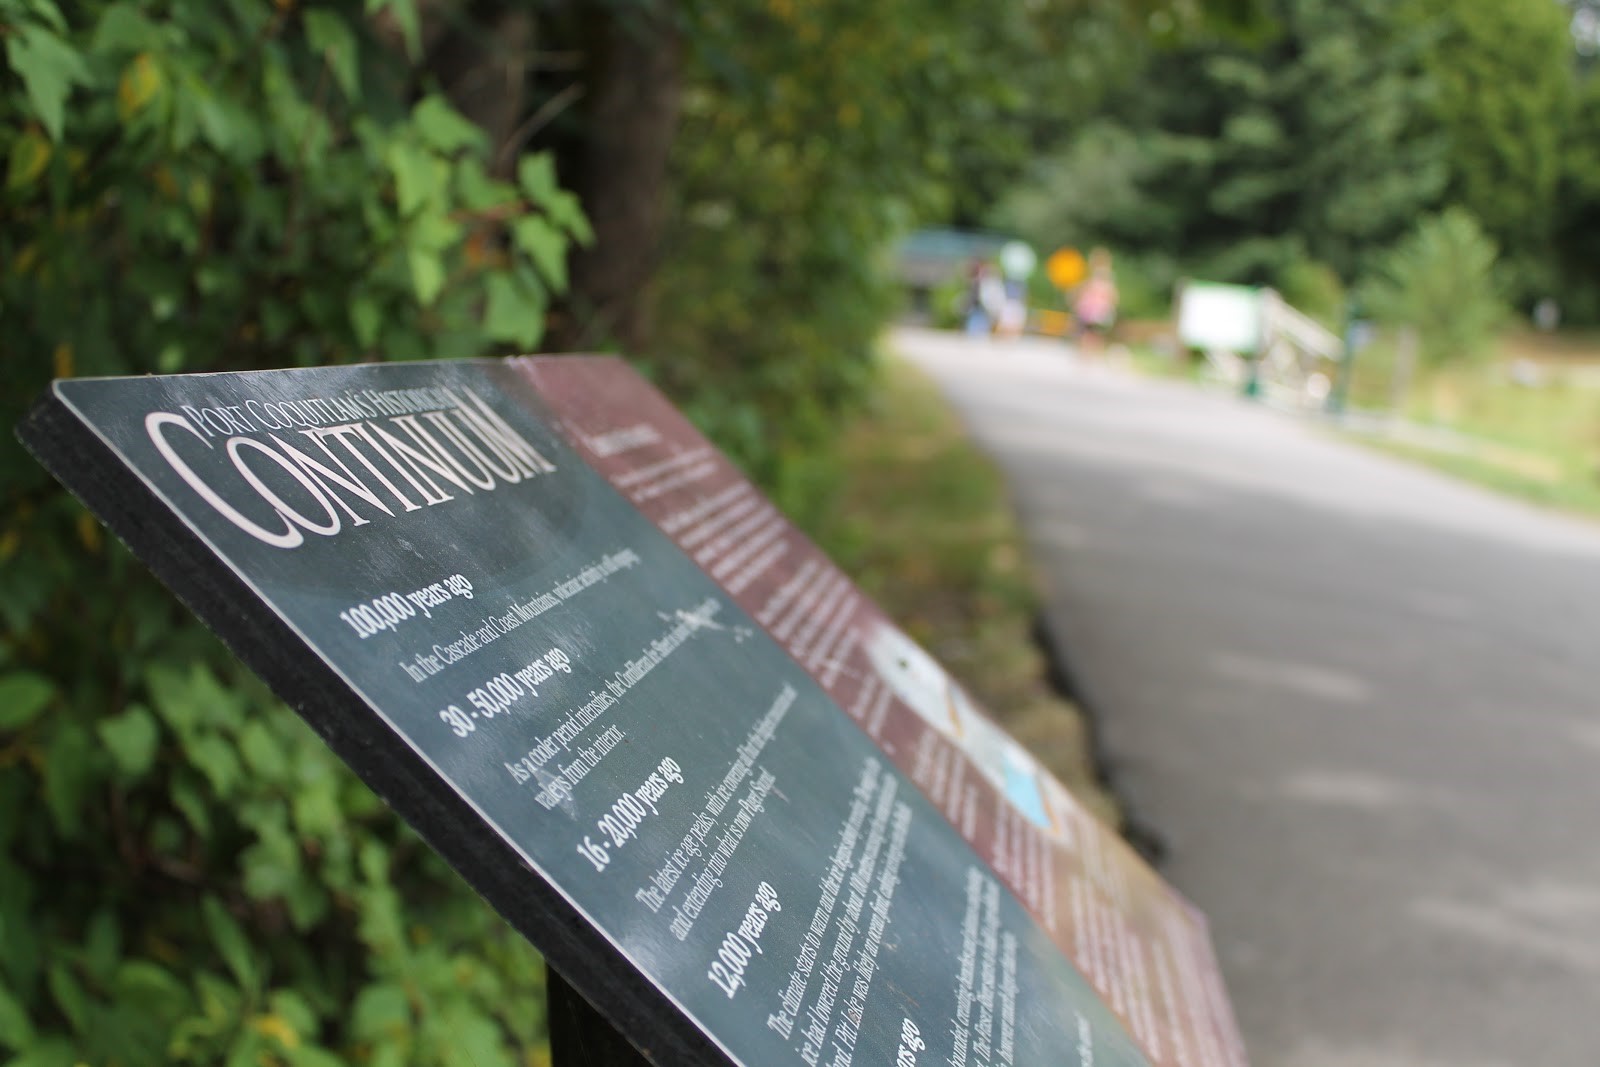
(1095, 306)
(977, 319)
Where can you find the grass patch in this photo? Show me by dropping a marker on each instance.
(922, 522)
(1154, 361)
(1526, 424)
(1533, 434)
(1565, 493)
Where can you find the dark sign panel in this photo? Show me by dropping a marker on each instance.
(1142, 946)
(594, 732)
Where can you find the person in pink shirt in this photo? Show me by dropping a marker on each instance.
(1095, 306)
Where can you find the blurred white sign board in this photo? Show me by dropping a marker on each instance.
(1220, 318)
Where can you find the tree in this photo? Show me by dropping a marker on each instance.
(621, 67)
(812, 135)
(1442, 280)
(1244, 157)
(1502, 72)
(1577, 224)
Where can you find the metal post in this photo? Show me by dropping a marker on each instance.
(581, 1036)
(1340, 394)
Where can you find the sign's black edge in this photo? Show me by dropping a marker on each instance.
(87, 466)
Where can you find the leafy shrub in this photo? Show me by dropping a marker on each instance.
(186, 874)
(1313, 288)
(1042, 295)
(774, 295)
(1145, 285)
(812, 136)
(1442, 280)
(1080, 194)
(947, 304)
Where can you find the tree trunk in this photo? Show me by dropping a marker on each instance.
(634, 81)
(1405, 367)
(482, 63)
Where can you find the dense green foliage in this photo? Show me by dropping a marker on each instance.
(1319, 142)
(186, 874)
(1577, 223)
(1239, 159)
(1442, 280)
(812, 135)
(788, 183)
(1504, 90)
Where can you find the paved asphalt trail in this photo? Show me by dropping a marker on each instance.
(1360, 702)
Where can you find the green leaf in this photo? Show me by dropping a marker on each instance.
(270, 866)
(474, 1041)
(544, 245)
(435, 231)
(231, 943)
(536, 174)
(366, 319)
(23, 696)
(189, 798)
(565, 211)
(216, 124)
(415, 176)
(442, 127)
(249, 1050)
(220, 705)
(286, 106)
(380, 1011)
(514, 314)
(262, 752)
(49, 68)
(219, 1000)
(277, 1029)
(581, 231)
(404, 13)
(102, 945)
(132, 739)
(330, 37)
(69, 777)
(48, 10)
(316, 809)
(30, 154)
(217, 760)
(427, 274)
(69, 996)
(15, 1029)
(150, 988)
(294, 1010)
(52, 1052)
(141, 81)
(174, 697)
(396, 1053)
(124, 28)
(477, 190)
(374, 861)
(308, 902)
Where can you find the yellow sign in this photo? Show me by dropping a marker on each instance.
(1066, 268)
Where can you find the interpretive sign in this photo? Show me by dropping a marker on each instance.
(1143, 948)
(1220, 318)
(576, 716)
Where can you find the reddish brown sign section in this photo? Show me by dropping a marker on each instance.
(1139, 943)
